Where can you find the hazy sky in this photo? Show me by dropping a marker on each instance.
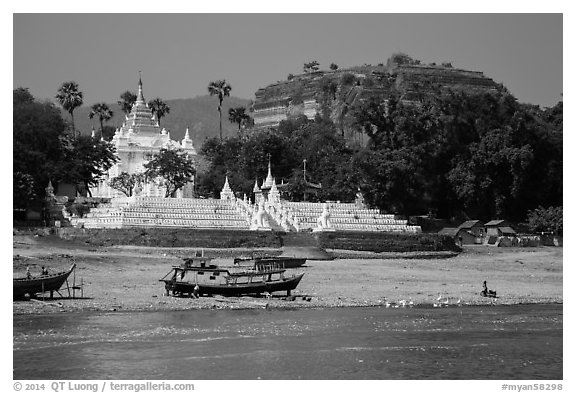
(179, 54)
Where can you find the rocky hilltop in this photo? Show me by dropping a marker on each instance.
(336, 92)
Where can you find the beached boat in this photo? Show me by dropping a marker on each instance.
(191, 278)
(267, 262)
(40, 284)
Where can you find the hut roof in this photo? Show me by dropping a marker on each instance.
(494, 223)
(470, 224)
(448, 231)
(507, 231)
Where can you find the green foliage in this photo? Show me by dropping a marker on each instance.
(310, 67)
(70, 98)
(246, 159)
(127, 99)
(108, 133)
(221, 89)
(239, 116)
(86, 161)
(159, 108)
(102, 112)
(465, 155)
(333, 66)
(173, 166)
(290, 77)
(400, 59)
(38, 130)
(546, 220)
(23, 190)
(126, 182)
(43, 151)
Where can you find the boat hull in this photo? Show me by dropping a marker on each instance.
(32, 286)
(183, 288)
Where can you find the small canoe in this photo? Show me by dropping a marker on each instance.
(40, 284)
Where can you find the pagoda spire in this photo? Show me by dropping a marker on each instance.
(269, 180)
(140, 97)
(226, 192)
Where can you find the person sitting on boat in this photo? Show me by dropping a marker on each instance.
(28, 274)
(44, 271)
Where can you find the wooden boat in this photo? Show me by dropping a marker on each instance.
(40, 284)
(263, 262)
(190, 278)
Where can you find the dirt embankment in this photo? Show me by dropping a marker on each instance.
(122, 278)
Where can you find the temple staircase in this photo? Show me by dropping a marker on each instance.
(165, 212)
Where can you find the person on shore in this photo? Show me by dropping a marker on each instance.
(196, 291)
(28, 274)
(486, 292)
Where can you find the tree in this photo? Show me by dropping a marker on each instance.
(546, 220)
(38, 130)
(333, 66)
(127, 99)
(290, 77)
(103, 113)
(221, 89)
(108, 133)
(86, 161)
(173, 166)
(239, 116)
(376, 119)
(70, 98)
(23, 190)
(311, 67)
(126, 182)
(159, 107)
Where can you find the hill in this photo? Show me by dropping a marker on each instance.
(337, 92)
(199, 114)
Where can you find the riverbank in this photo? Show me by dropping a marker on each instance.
(125, 278)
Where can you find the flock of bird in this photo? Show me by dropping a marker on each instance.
(440, 302)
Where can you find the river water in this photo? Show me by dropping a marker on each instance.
(498, 342)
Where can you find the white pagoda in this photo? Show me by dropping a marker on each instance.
(139, 138)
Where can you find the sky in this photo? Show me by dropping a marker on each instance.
(179, 54)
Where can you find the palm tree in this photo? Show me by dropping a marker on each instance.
(103, 113)
(159, 107)
(127, 99)
(70, 98)
(221, 89)
(238, 115)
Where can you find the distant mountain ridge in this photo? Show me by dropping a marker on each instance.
(199, 114)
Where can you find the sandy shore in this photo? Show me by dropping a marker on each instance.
(122, 278)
